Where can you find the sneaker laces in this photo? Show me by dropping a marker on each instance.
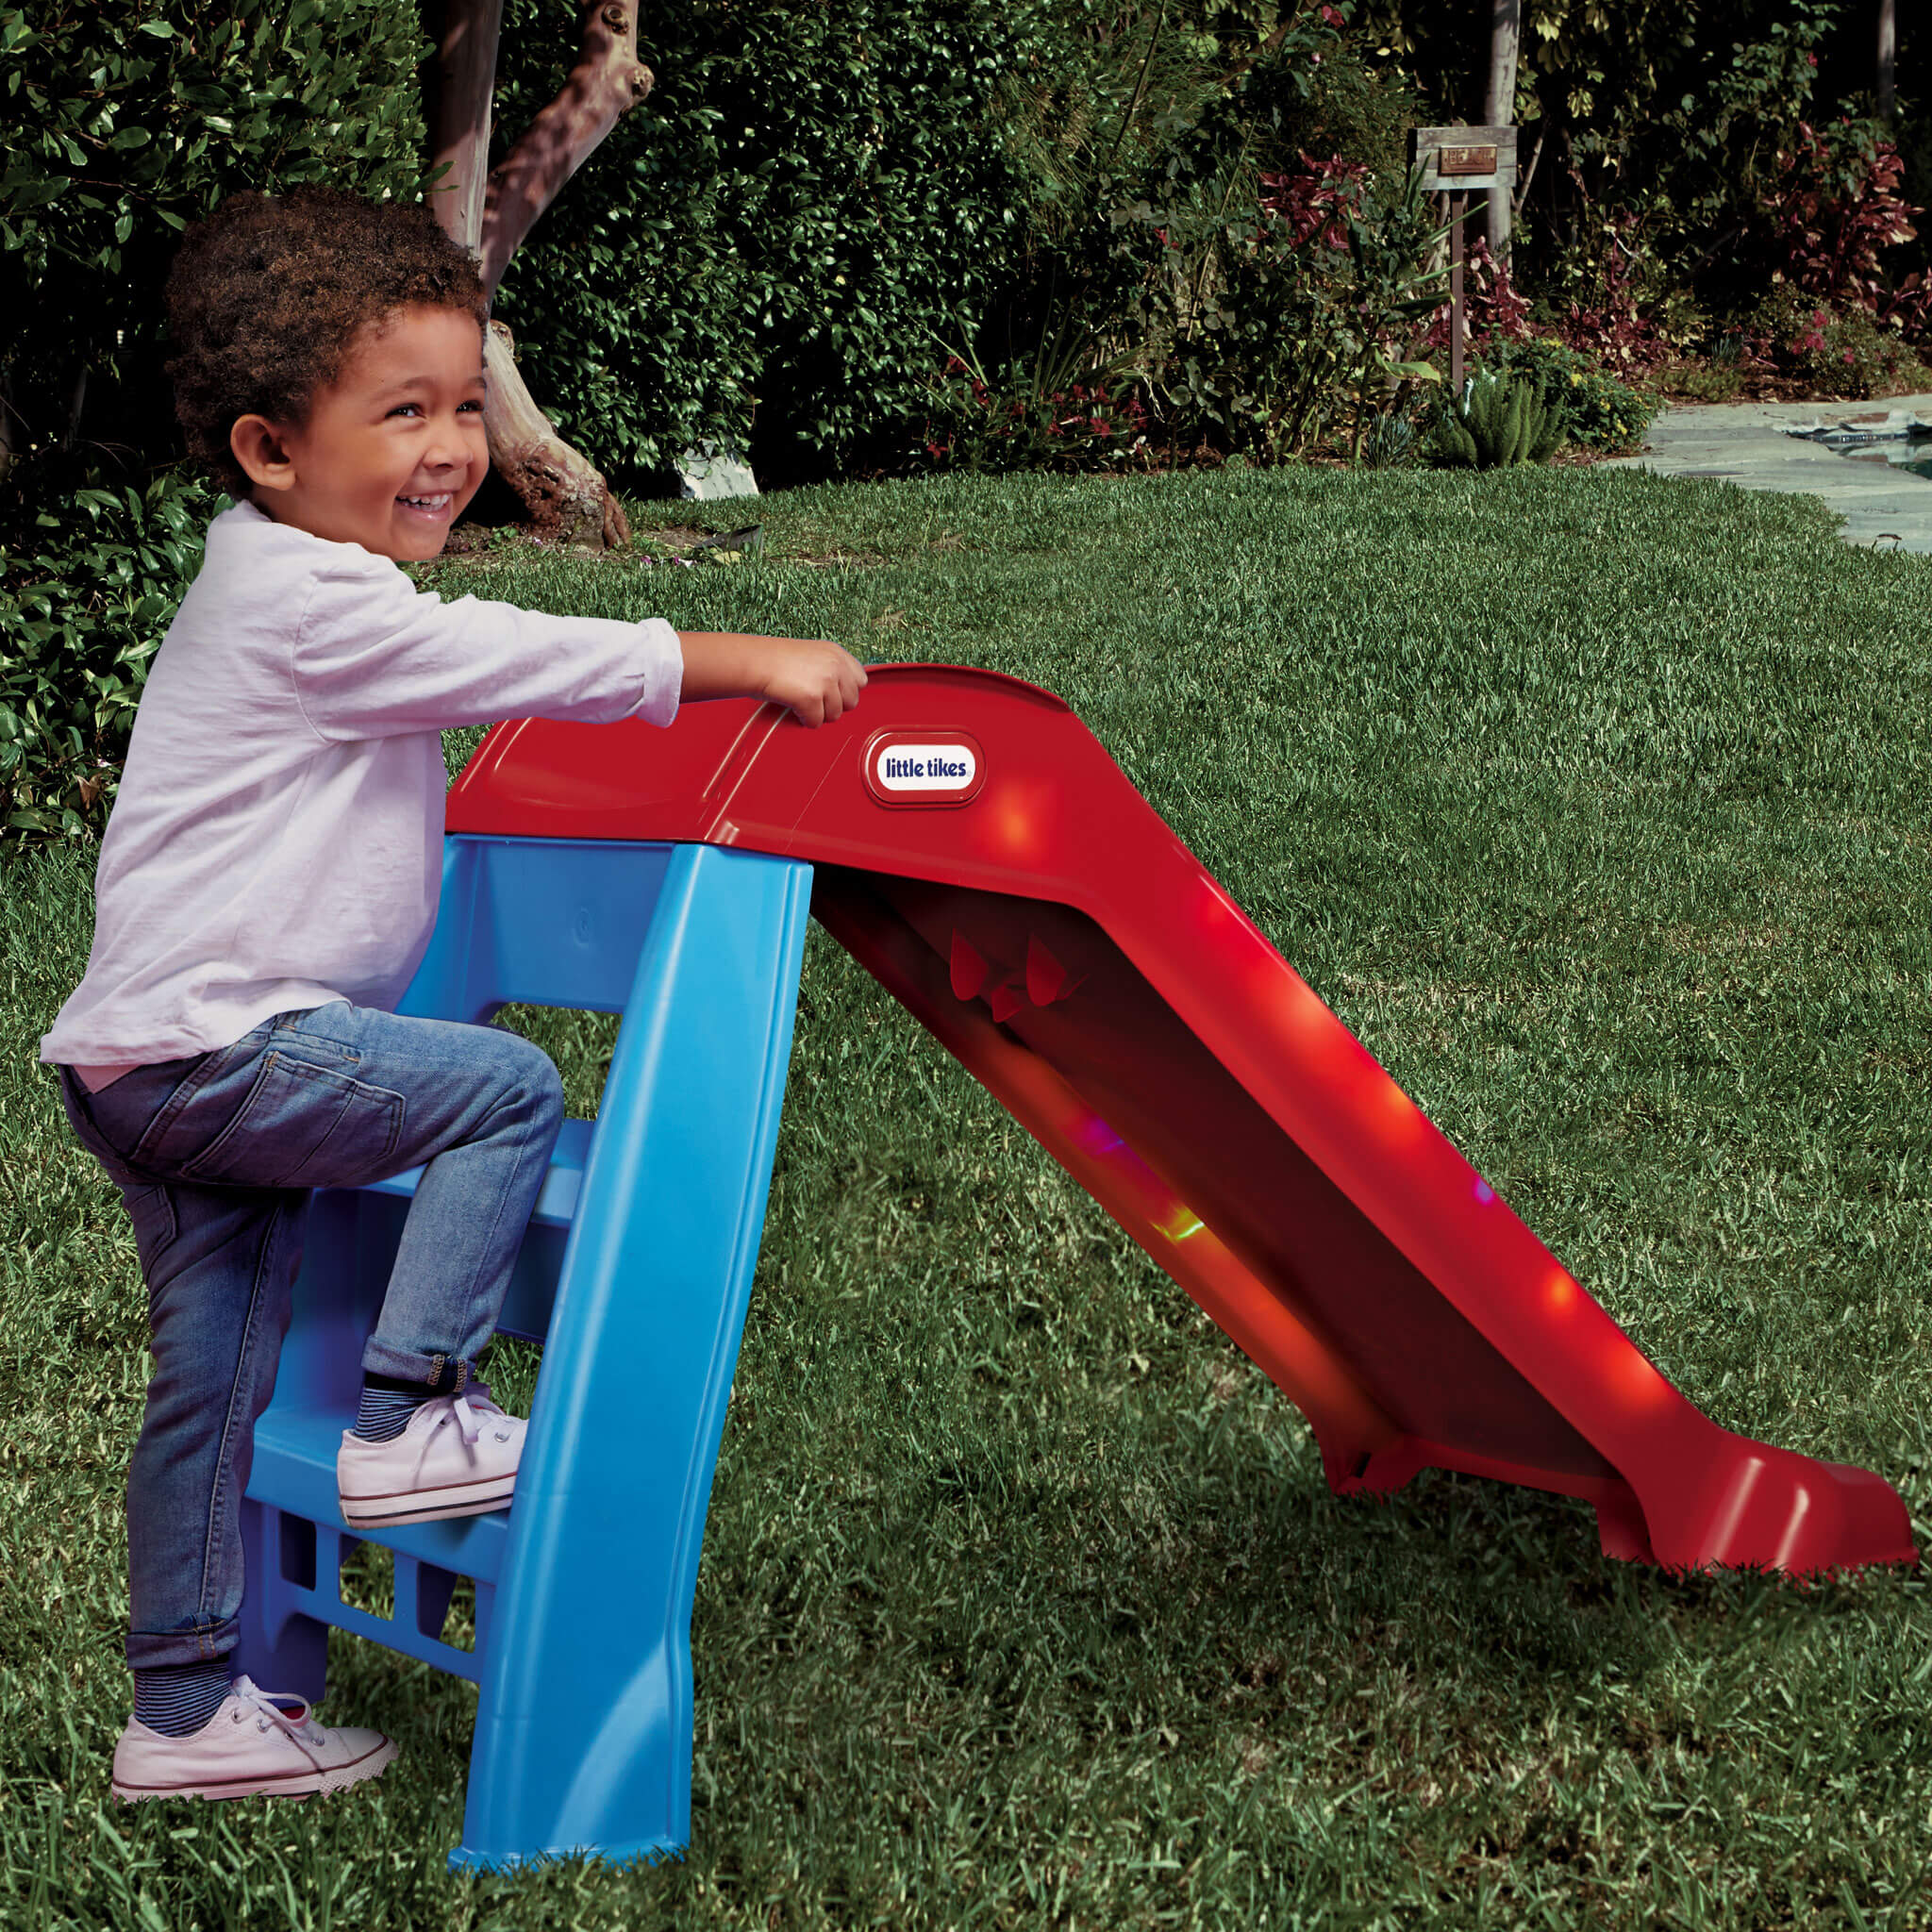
(467, 1418)
(300, 1727)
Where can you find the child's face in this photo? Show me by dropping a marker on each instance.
(392, 451)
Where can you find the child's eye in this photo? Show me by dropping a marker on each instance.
(403, 408)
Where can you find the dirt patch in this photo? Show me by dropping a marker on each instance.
(476, 543)
(675, 538)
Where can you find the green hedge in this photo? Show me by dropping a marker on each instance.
(81, 612)
(762, 249)
(818, 206)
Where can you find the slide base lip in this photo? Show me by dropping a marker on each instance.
(1769, 1509)
(1775, 1510)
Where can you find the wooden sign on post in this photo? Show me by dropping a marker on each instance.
(1455, 162)
(1458, 158)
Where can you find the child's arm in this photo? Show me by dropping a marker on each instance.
(372, 656)
(814, 680)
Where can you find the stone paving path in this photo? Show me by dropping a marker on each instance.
(1745, 443)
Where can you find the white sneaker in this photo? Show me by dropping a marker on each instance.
(252, 1747)
(457, 1457)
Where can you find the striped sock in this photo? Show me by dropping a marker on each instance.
(178, 1699)
(388, 1404)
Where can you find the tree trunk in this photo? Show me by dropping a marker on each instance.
(1887, 60)
(1499, 109)
(465, 86)
(568, 501)
(564, 494)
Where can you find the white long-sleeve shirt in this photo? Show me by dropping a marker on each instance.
(277, 838)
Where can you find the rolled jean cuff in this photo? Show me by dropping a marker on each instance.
(447, 1375)
(199, 1643)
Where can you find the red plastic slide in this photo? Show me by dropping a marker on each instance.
(982, 855)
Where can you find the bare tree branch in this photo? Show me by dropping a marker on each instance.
(608, 82)
(1536, 154)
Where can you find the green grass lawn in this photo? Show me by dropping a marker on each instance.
(1601, 809)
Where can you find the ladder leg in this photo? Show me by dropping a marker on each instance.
(584, 1722)
(279, 1648)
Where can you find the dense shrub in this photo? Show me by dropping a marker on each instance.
(819, 210)
(1678, 154)
(1832, 211)
(82, 609)
(1256, 288)
(1322, 300)
(1599, 412)
(1675, 110)
(1348, 103)
(1256, 330)
(1832, 351)
(1578, 358)
(1016, 420)
(764, 247)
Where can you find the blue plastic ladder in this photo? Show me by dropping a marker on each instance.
(635, 1273)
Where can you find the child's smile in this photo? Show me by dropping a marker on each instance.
(392, 451)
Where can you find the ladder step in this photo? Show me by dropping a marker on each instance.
(295, 1470)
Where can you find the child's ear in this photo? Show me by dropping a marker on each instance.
(261, 450)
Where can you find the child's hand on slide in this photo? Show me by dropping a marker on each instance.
(815, 680)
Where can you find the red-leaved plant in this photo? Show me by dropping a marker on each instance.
(1609, 326)
(1492, 309)
(1087, 425)
(1908, 307)
(1316, 201)
(1834, 207)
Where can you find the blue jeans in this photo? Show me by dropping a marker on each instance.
(215, 1157)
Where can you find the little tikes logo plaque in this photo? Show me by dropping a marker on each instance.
(928, 768)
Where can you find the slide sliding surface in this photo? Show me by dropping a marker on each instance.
(979, 853)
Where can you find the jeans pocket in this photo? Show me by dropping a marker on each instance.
(304, 1126)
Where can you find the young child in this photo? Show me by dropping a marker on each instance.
(266, 888)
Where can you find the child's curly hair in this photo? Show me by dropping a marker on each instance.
(268, 294)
